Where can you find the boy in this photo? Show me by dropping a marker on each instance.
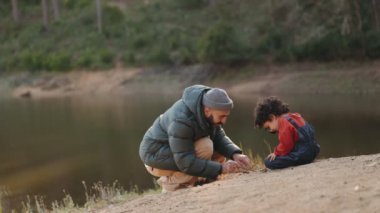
(297, 145)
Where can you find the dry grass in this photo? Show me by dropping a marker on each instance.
(257, 160)
(97, 196)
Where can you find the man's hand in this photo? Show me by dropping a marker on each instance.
(230, 167)
(271, 156)
(242, 160)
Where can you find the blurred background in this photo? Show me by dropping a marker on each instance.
(82, 80)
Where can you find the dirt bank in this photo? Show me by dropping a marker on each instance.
(111, 82)
(343, 78)
(349, 184)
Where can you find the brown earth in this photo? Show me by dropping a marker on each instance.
(349, 184)
(275, 79)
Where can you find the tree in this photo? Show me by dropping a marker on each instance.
(45, 13)
(376, 16)
(15, 11)
(99, 15)
(55, 6)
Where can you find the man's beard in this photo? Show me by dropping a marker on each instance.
(210, 120)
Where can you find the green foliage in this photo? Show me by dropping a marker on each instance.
(84, 59)
(157, 55)
(31, 60)
(189, 4)
(373, 44)
(38, 61)
(331, 46)
(77, 4)
(276, 43)
(94, 59)
(58, 62)
(219, 44)
(106, 57)
(114, 22)
(188, 31)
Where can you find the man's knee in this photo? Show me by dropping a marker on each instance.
(204, 148)
(159, 172)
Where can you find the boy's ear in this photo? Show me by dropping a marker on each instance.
(271, 117)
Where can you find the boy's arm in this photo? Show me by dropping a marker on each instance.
(287, 136)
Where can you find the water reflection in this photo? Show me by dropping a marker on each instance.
(53, 144)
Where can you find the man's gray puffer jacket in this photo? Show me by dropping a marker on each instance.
(169, 142)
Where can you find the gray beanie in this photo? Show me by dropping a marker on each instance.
(217, 98)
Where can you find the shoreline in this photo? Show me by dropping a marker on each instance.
(355, 79)
(327, 185)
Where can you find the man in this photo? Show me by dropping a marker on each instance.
(188, 141)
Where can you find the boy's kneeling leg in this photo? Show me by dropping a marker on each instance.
(279, 162)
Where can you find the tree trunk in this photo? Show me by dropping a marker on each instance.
(271, 13)
(99, 15)
(55, 9)
(44, 13)
(358, 15)
(360, 27)
(376, 15)
(346, 26)
(15, 11)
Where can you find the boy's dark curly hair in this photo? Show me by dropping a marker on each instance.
(267, 106)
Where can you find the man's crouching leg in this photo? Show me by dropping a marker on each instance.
(173, 180)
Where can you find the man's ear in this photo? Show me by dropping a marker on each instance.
(207, 111)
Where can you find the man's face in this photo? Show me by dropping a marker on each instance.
(271, 125)
(216, 117)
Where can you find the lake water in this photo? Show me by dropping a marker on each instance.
(51, 145)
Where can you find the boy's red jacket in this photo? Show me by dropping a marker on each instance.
(287, 134)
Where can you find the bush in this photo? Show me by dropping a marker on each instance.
(328, 47)
(84, 59)
(219, 44)
(72, 4)
(157, 55)
(106, 56)
(373, 44)
(58, 62)
(32, 60)
(102, 59)
(113, 19)
(276, 43)
(94, 59)
(129, 58)
(183, 56)
(188, 4)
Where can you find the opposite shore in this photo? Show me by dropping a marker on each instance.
(306, 78)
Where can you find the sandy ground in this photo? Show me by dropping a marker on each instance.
(350, 184)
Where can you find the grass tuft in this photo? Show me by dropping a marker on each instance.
(257, 160)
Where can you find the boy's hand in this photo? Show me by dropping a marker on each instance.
(242, 160)
(271, 156)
